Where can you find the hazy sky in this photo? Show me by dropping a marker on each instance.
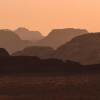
(44, 15)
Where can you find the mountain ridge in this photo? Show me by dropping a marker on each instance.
(58, 37)
(11, 41)
(84, 49)
(26, 34)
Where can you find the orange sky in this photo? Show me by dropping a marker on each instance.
(44, 15)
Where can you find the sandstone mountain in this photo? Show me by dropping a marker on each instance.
(84, 49)
(26, 34)
(11, 42)
(59, 37)
(41, 52)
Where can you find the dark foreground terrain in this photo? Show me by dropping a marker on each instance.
(30, 78)
(30, 87)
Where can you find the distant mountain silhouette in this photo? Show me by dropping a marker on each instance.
(41, 52)
(84, 49)
(59, 37)
(11, 42)
(3, 52)
(26, 34)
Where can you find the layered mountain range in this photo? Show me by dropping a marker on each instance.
(58, 37)
(71, 44)
(21, 38)
(84, 49)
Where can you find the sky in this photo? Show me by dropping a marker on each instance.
(45, 15)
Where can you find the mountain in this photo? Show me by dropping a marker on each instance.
(84, 49)
(3, 52)
(26, 34)
(11, 42)
(59, 37)
(41, 52)
(35, 66)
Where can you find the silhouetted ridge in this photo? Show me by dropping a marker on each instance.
(41, 52)
(11, 42)
(35, 65)
(30, 64)
(58, 37)
(26, 34)
(84, 49)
